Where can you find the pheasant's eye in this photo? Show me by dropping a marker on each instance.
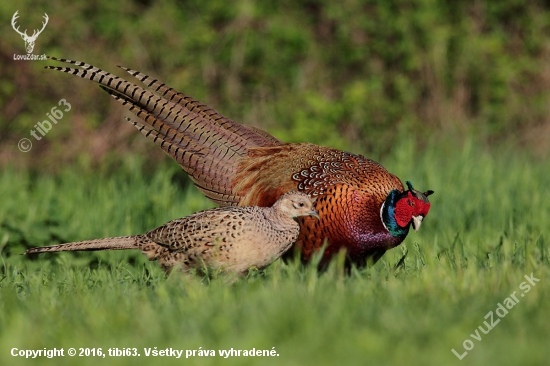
(411, 203)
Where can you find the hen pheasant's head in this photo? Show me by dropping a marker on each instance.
(294, 204)
(401, 209)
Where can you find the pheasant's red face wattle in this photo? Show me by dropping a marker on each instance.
(412, 207)
(404, 210)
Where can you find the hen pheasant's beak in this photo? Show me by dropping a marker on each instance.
(417, 221)
(314, 214)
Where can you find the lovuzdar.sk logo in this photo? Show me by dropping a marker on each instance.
(29, 40)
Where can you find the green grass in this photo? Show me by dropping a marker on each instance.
(488, 227)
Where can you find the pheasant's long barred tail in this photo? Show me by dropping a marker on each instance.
(186, 154)
(251, 134)
(212, 143)
(116, 243)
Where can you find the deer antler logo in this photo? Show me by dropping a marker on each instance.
(29, 41)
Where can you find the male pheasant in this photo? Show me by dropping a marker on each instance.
(362, 207)
(232, 239)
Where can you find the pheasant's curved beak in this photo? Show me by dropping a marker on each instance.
(314, 213)
(417, 221)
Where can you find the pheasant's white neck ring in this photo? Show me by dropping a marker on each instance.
(382, 217)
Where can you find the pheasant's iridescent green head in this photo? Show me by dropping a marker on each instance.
(401, 209)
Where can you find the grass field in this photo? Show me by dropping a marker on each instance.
(487, 229)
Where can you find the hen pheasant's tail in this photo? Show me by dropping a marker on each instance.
(118, 243)
(207, 145)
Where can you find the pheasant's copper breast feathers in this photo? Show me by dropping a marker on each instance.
(346, 216)
(239, 165)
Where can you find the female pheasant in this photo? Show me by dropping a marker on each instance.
(362, 207)
(232, 239)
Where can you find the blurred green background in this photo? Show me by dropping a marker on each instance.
(453, 95)
(351, 74)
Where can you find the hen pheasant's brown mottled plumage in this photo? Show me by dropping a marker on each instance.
(229, 238)
(239, 165)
